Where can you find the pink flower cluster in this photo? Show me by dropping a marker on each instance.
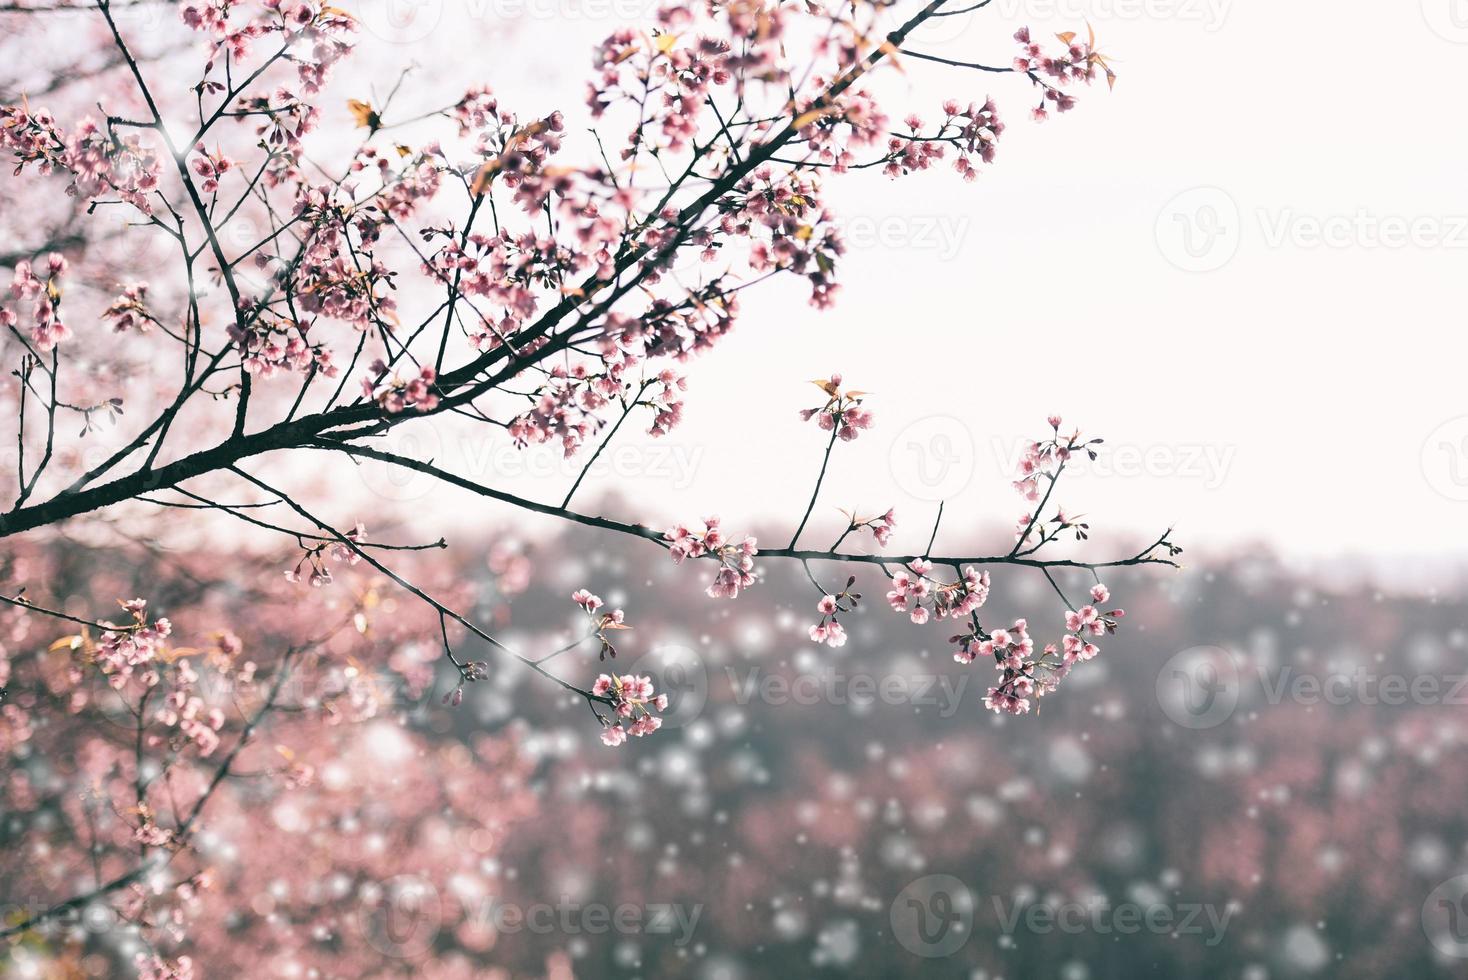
(99, 162)
(1043, 461)
(920, 597)
(790, 230)
(123, 650)
(665, 397)
(210, 18)
(183, 710)
(633, 700)
(972, 130)
(469, 673)
(269, 345)
(1025, 675)
(151, 966)
(1011, 649)
(342, 551)
(1080, 62)
(44, 299)
(1040, 459)
(337, 275)
(312, 563)
(853, 120)
(211, 168)
(479, 109)
(398, 395)
(1089, 621)
(979, 129)
(129, 311)
(829, 630)
(670, 77)
(736, 558)
(34, 137)
(614, 620)
(842, 412)
(881, 527)
(565, 408)
(318, 33)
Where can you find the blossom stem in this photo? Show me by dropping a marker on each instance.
(825, 461)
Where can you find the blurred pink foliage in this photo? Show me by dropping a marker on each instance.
(235, 765)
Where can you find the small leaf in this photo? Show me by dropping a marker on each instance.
(364, 115)
(806, 118)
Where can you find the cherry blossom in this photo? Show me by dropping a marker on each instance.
(633, 701)
(843, 414)
(43, 298)
(305, 260)
(735, 558)
(398, 395)
(829, 630)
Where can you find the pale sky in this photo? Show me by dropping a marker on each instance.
(1243, 268)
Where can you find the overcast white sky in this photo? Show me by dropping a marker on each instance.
(1244, 268)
